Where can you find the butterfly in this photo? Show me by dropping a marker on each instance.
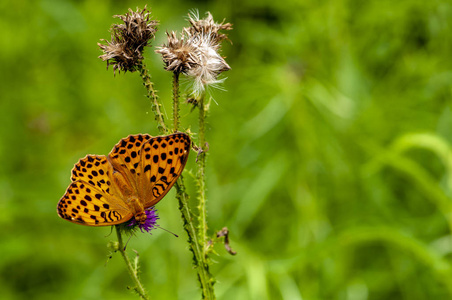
(137, 173)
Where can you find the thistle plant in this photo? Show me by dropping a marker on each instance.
(195, 54)
(125, 49)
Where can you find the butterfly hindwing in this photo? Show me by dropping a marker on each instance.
(92, 199)
(87, 205)
(162, 161)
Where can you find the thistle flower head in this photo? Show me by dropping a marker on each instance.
(196, 52)
(150, 223)
(125, 49)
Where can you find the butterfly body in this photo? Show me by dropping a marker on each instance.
(137, 209)
(138, 173)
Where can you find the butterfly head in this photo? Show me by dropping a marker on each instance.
(146, 220)
(141, 218)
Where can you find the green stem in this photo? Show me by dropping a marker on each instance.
(133, 272)
(202, 215)
(155, 104)
(201, 175)
(176, 100)
(196, 246)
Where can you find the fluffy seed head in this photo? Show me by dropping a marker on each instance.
(196, 52)
(207, 26)
(209, 65)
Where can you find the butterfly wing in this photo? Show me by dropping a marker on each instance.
(125, 158)
(162, 161)
(91, 199)
(149, 166)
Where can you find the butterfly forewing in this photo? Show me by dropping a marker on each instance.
(94, 170)
(162, 161)
(125, 157)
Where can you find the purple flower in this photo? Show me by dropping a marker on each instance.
(151, 220)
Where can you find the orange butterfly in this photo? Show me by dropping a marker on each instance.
(136, 174)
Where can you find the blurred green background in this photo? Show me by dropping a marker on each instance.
(330, 152)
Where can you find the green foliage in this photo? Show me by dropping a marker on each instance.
(329, 154)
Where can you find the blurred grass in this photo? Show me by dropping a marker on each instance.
(330, 152)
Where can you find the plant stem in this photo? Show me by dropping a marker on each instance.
(201, 175)
(196, 247)
(202, 211)
(133, 272)
(176, 101)
(155, 104)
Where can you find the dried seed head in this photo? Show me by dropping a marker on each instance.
(196, 52)
(125, 50)
(207, 26)
(209, 65)
(178, 54)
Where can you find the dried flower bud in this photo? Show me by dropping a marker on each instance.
(125, 50)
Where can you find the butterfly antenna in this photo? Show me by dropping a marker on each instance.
(168, 231)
